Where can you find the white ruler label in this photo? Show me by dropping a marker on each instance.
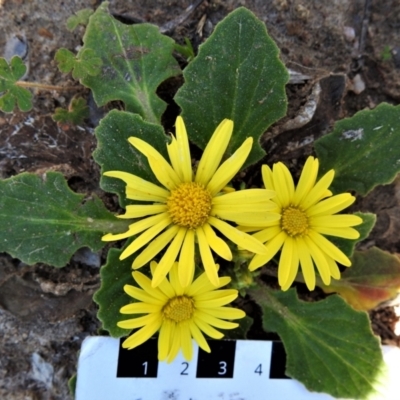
(234, 370)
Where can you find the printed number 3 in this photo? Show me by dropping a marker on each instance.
(222, 368)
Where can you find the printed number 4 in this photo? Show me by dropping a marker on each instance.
(258, 370)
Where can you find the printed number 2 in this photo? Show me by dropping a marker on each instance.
(185, 369)
(258, 370)
(145, 367)
(222, 368)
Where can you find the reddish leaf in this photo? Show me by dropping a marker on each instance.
(373, 278)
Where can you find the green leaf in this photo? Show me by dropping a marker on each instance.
(42, 220)
(76, 113)
(348, 245)
(136, 59)
(86, 63)
(10, 93)
(237, 74)
(72, 385)
(111, 296)
(374, 277)
(364, 150)
(81, 17)
(330, 347)
(241, 331)
(115, 153)
(185, 50)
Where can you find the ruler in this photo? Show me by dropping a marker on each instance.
(234, 370)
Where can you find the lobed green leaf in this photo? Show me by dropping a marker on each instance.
(81, 17)
(86, 63)
(115, 274)
(115, 153)
(42, 220)
(330, 347)
(364, 150)
(135, 59)
(10, 93)
(76, 113)
(237, 74)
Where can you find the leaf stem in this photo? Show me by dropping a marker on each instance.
(45, 87)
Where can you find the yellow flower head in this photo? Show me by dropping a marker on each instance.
(179, 313)
(187, 207)
(307, 214)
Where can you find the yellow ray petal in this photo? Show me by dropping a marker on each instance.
(336, 221)
(145, 283)
(186, 340)
(133, 194)
(307, 180)
(268, 178)
(159, 165)
(332, 205)
(176, 344)
(199, 337)
(183, 150)
(216, 243)
(318, 191)
(216, 298)
(242, 239)
(139, 321)
(285, 260)
(206, 257)
(216, 322)
(230, 167)
(174, 280)
(164, 173)
(214, 152)
(307, 266)
(164, 340)
(145, 237)
(141, 295)
(244, 197)
(329, 248)
(186, 260)
(140, 211)
(224, 312)
(142, 335)
(140, 308)
(346, 233)
(207, 329)
(168, 258)
(333, 268)
(320, 260)
(173, 154)
(202, 285)
(268, 234)
(294, 267)
(139, 184)
(257, 216)
(283, 182)
(155, 247)
(272, 248)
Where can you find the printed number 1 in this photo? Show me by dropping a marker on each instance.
(258, 370)
(145, 367)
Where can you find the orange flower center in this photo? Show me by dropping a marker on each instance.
(189, 205)
(179, 309)
(294, 221)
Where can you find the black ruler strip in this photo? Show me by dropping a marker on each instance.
(142, 361)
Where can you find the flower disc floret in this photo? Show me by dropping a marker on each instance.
(189, 205)
(178, 313)
(186, 209)
(308, 213)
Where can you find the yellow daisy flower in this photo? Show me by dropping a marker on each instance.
(307, 214)
(179, 313)
(188, 207)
